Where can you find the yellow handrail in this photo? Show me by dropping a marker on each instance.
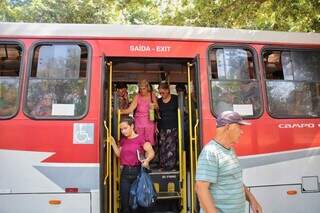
(180, 158)
(195, 138)
(118, 124)
(180, 145)
(107, 164)
(110, 96)
(110, 125)
(184, 185)
(117, 168)
(106, 157)
(189, 65)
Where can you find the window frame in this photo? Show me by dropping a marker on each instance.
(20, 77)
(29, 71)
(255, 66)
(281, 49)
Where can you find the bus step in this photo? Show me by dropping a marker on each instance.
(165, 212)
(168, 195)
(160, 172)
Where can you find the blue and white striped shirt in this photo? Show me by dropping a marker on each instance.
(220, 167)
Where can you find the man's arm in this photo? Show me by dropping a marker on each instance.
(131, 107)
(255, 206)
(206, 200)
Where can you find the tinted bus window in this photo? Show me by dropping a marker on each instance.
(234, 84)
(293, 82)
(10, 60)
(57, 86)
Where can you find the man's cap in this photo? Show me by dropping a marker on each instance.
(230, 117)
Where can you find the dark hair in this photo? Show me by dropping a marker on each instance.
(127, 119)
(121, 85)
(180, 87)
(164, 85)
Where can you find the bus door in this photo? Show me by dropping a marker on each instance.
(111, 162)
(175, 187)
(193, 129)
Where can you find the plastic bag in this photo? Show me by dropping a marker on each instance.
(146, 195)
(133, 194)
(142, 192)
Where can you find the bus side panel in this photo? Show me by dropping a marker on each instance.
(39, 203)
(42, 160)
(289, 198)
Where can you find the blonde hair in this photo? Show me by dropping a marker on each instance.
(145, 83)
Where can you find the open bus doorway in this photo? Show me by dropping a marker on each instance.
(174, 187)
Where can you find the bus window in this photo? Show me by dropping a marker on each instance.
(293, 82)
(10, 60)
(234, 84)
(57, 85)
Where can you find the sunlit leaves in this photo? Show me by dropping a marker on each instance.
(284, 15)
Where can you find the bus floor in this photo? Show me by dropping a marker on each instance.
(165, 206)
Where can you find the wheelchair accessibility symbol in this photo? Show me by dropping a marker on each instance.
(83, 133)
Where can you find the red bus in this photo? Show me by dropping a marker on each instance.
(57, 109)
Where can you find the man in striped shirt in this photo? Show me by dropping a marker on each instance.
(219, 183)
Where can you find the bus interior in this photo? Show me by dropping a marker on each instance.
(174, 188)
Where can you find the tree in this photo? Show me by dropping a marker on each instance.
(6, 11)
(65, 11)
(284, 15)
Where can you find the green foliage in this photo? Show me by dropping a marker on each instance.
(64, 11)
(284, 15)
(6, 13)
(138, 11)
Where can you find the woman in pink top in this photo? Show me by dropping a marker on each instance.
(130, 145)
(141, 104)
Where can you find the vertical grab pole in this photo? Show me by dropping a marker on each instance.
(181, 166)
(182, 154)
(117, 169)
(118, 124)
(109, 134)
(196, 138)
(189, 65)
(180, 145)
(106, 167)
(184, 195)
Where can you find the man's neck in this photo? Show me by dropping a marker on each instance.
(222, 141)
